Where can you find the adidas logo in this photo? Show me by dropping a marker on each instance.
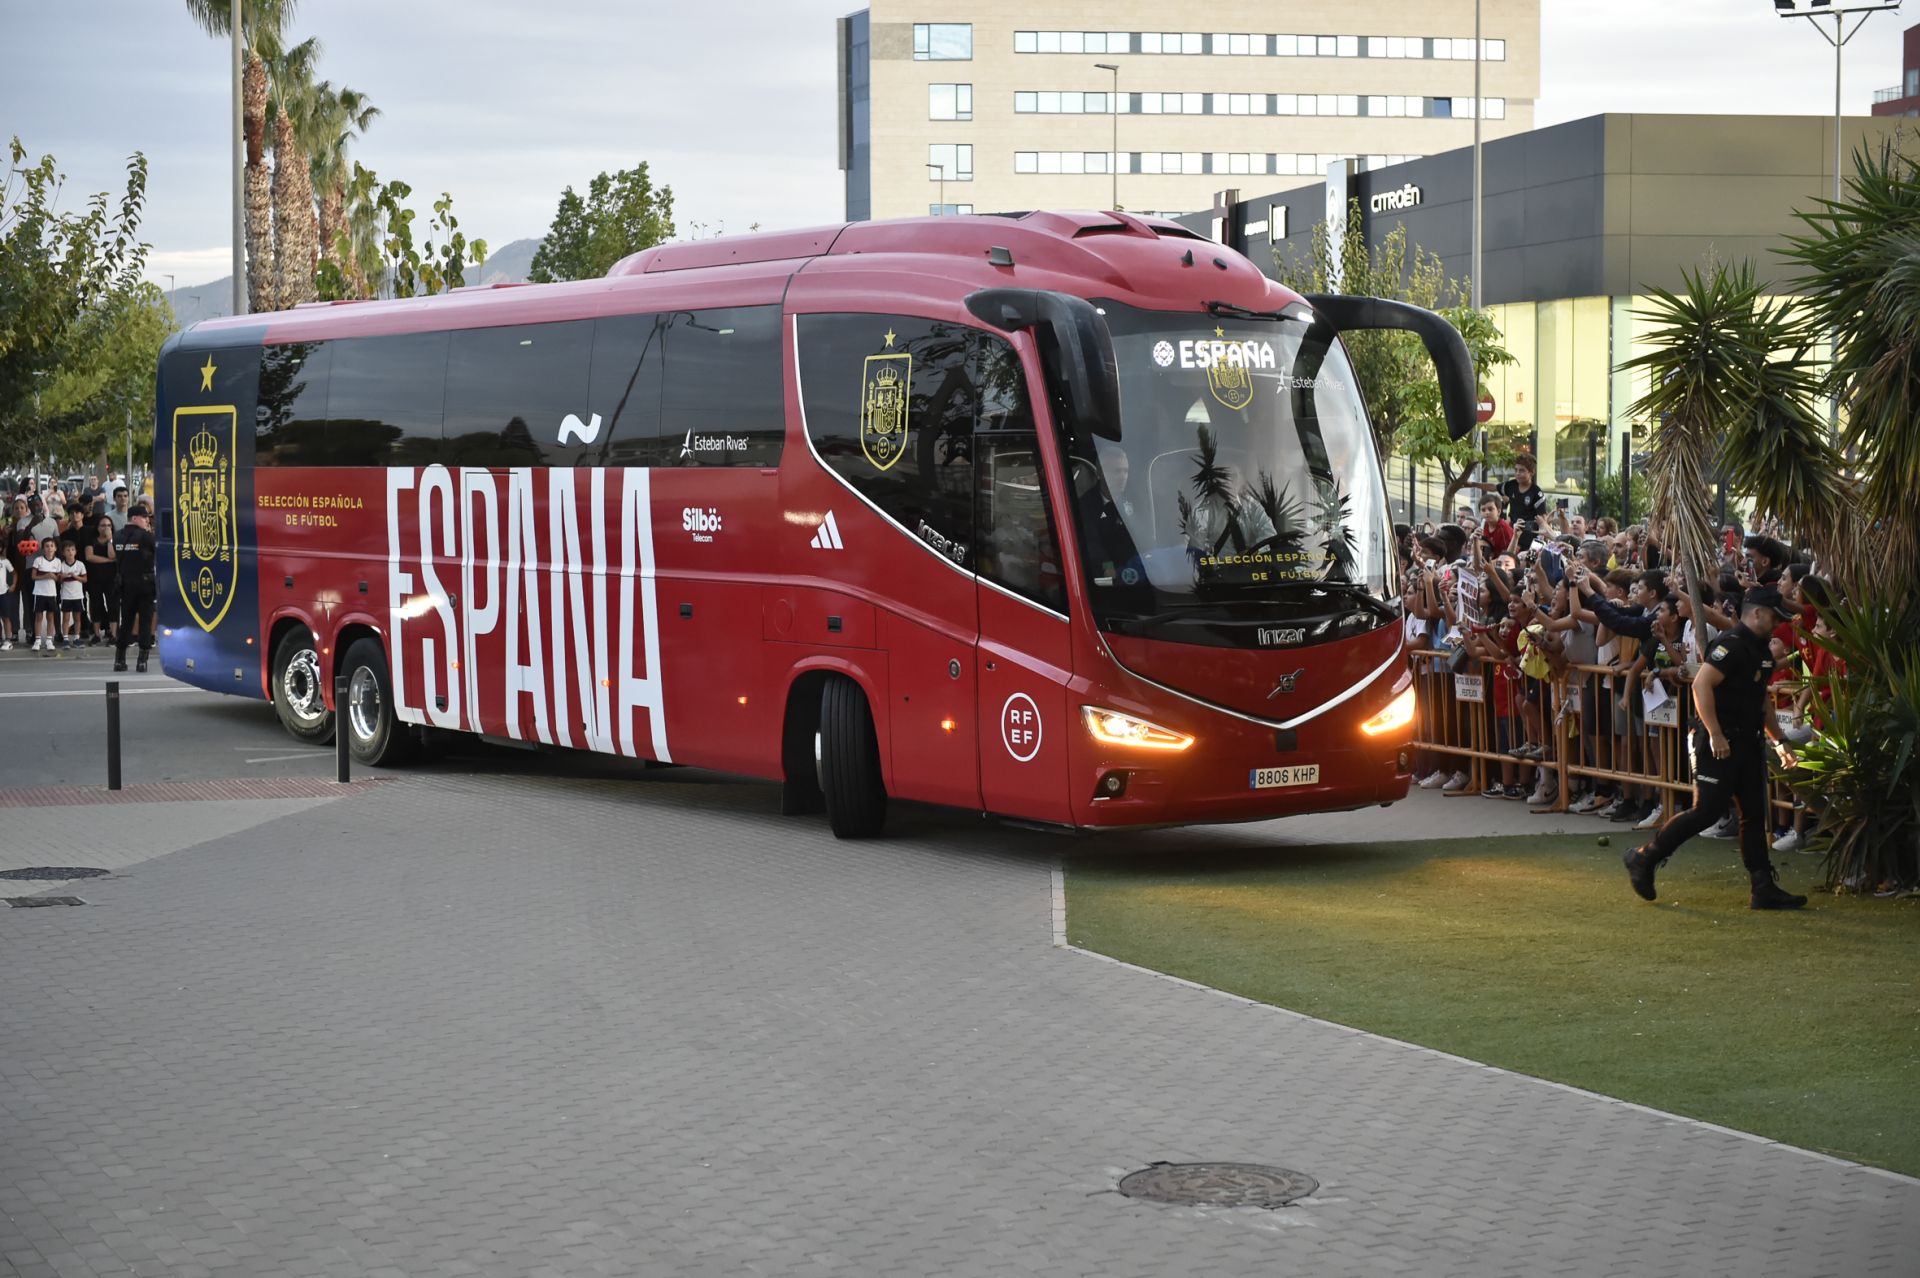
(828, 535)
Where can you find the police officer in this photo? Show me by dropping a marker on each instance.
(133, 551)
(1730, 758)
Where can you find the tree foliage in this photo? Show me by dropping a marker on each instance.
(1395, 372)
(104, 384)
(391, 259)
(56, 270)
(621, 213)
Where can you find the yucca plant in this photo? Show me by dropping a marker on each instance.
(1861, 771)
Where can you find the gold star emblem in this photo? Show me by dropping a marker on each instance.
(1218, 331)
(206, 374)
(889, 339)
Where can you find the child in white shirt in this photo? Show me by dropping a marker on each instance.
(9, 604)
(73, 593)
(46, 594)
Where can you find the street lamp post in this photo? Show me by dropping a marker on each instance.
(1113, 109)
(940, 172)
(1479, 184)
(239, 165)
(1813, 11)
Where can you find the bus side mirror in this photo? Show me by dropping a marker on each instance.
(1075, 350)
(1459, 391)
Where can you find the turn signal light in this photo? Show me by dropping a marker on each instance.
(1398, 714)
(1110, 727)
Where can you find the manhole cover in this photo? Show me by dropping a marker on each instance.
(52, 873)
(1218, 1184)
(34, 902)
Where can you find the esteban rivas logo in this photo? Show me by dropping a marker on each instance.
(827, 536)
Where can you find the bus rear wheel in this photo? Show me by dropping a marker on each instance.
(299, 689)
(849, 759)
(374, 734)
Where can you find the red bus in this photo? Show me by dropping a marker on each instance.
(1069, 518)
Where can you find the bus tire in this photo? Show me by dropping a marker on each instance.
(374, 735)
(850, 762)
(299, 689)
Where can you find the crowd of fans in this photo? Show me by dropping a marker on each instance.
(1535, 598)
(60, 578)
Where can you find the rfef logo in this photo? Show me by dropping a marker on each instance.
(1020, 727)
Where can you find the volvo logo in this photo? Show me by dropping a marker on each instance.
(1286, 683)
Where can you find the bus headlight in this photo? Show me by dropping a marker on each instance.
(1397, 715)
(1110, 727)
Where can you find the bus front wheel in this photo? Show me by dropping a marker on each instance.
(299, 689)
(374, 735)
(849, 758)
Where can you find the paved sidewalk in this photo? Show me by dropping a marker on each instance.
(535, 1026)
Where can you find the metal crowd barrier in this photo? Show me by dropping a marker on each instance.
(1455, 720)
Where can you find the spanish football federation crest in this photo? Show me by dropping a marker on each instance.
(884, 382)
(206, 517)
(1229, 377)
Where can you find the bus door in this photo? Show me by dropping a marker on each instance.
(1024, 653)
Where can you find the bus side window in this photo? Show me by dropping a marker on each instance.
(385, 397)
(1018, 547)
(290, 416)
(510, 391)
(722, 401)
(890, 406)
(623, 390)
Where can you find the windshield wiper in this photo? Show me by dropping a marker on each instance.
(1361, 596)
(1229, 310)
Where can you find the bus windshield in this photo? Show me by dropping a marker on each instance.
(1245, 486)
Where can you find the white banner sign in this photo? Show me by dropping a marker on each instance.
(1469, 688)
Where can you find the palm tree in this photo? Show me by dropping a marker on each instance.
(262, 25)
(336, 117)
(295, 230)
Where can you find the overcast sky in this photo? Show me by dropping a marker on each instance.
(504, 103)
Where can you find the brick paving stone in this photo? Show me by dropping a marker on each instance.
(492, 1025)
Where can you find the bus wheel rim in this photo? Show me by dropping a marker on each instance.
(363, 704)
(301, 687)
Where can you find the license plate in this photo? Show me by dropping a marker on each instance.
(1277, 778)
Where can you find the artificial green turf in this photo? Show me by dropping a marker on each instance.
(1531, 953)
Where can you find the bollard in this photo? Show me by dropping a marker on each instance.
(342, 760)
(113, 734)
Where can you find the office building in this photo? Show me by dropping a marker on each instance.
(1580, 220)
(1903, 99)
(996, 105)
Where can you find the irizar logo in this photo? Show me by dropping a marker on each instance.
(828, 535)
(703, 524)
(1281, 636)
(585, 432)
(1288, 682)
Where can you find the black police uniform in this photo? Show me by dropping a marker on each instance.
(133, 549)
(1745, 663)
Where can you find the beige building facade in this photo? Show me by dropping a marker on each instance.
(998, 105)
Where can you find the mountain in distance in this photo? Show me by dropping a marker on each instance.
(507, 264)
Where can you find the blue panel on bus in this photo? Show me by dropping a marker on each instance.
(203, 519)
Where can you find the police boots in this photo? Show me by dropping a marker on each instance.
(1769, 895)
(1641, 864)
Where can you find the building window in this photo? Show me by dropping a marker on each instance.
(1447, 48)
(948, 210)
(949, 101)
(942, 41)
(1075, 162)
(954, 162)
(1913, 82)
